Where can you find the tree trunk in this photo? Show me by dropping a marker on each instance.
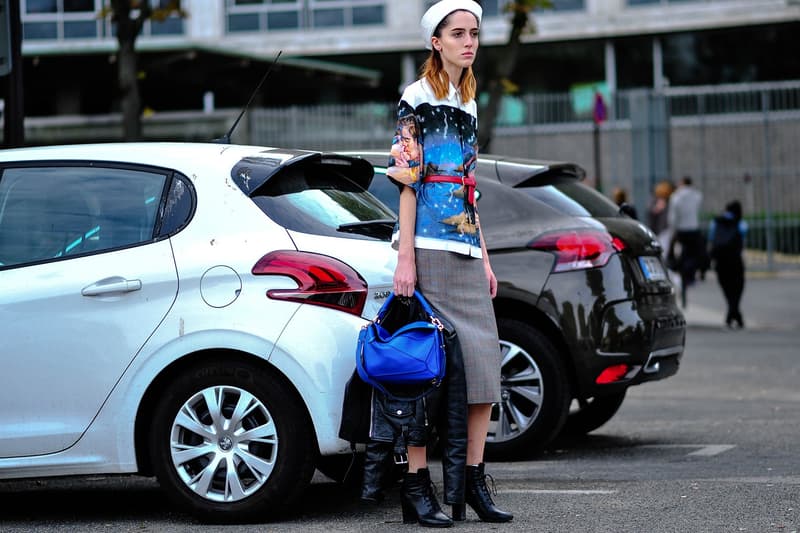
(502, 71)
(127, 69)
(129, 89)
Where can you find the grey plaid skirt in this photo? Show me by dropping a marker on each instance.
(456, 286)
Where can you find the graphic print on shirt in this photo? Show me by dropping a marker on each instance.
(445, 145)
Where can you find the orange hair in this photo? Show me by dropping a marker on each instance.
(433, 72)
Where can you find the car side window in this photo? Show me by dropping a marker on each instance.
(51, 212)
(178, 207)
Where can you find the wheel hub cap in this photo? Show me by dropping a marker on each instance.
(224, 443)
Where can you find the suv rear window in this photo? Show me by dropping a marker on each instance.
(572, 197)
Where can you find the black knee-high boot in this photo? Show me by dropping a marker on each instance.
(377, 464)
(479, 498)
(419, 501)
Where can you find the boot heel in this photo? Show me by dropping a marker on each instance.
(419, 503)
(459, 512)
(409, 513)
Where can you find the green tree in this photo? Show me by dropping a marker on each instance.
(521, 22)
(128, 17)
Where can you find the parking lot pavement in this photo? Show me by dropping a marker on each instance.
(769, 302)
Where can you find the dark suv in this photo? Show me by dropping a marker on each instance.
(584, 306)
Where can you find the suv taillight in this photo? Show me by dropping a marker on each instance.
(321, 279)
(576, 249)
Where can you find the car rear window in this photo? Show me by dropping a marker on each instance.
(316, 199)
(573, 198)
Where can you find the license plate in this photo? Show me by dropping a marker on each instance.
(652, 268)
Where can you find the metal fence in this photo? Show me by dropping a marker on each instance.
(737, 142)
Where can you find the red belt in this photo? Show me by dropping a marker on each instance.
(468, 182)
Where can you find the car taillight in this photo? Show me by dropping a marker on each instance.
(321, 279)
(576, 249)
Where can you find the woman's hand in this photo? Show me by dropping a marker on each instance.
(491, 278)
(405, 276)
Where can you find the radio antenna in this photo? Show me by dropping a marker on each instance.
(226, 139)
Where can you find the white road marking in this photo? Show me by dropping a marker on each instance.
(705, 450)
(713, 449)
(556, 491)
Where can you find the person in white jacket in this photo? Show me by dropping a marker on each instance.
(687, 242)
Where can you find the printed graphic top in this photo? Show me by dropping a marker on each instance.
(439, 138)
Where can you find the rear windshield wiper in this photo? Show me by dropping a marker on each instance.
(381, 228)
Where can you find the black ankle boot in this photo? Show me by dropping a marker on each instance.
(479, 498)
(419, 502)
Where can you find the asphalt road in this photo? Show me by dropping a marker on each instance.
(712, 449)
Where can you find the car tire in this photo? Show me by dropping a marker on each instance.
(535, 393)
(214, 416)
(595, 413)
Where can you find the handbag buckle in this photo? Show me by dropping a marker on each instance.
(438, 323)
(400, 459)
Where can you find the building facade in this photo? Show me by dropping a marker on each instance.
(343, 51)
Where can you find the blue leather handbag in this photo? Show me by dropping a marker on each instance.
(403, 345)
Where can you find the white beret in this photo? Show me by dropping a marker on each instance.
(438, 11)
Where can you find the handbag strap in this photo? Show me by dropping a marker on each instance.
(426, 306)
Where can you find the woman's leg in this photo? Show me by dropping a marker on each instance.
(478, 495)
(417, 458)
(417, 497)
(477, 428)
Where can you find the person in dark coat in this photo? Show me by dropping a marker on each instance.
(726, 235)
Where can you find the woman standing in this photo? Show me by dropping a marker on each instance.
(440, 246)
(726, 234)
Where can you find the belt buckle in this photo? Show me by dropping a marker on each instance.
(400, 459)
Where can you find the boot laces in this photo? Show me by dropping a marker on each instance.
(493, 490)
(430, 495)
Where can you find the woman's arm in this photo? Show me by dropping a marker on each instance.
(487, 266)
(405, 274)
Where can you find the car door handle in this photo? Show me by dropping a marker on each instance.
(110, 285)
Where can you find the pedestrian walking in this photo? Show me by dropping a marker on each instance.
(687, 244)
(440, 244)
(657, 213)
(726, 234)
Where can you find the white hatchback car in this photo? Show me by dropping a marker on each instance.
(184, 310)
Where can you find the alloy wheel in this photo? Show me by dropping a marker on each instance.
(224, 443)
(522, 393)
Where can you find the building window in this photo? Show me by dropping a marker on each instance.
(64, 20)
(662, 2)
(263, 15)
(494, 8)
